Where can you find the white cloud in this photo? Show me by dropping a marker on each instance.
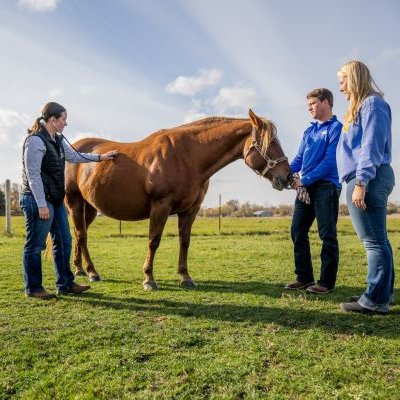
(229, 101)
(39, 5)
(190, 85)
(233, 99)
(10, 122)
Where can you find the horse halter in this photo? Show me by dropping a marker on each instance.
(254, 144)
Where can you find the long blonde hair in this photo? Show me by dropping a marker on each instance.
(360, 85)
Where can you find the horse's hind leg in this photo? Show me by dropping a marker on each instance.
(185, 227)
(158, 217)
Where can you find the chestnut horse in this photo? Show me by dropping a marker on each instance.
(166, 173)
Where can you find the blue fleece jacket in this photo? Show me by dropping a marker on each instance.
(367, 143)
(316, 158)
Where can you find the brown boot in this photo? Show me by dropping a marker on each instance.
(41, 294)
(318, 289)
(75, 289)
(298, 285)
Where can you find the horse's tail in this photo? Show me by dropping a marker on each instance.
(48, 253)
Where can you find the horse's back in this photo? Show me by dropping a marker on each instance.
(164, 165)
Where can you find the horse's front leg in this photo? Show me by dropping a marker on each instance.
(185, 228)
(158, 217)
(82, 214)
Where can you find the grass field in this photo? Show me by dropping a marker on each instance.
(238, 335)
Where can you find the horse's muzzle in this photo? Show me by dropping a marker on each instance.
(279, 183)
(290, 179)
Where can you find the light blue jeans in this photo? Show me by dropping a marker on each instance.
(36, 233)
(370, 226)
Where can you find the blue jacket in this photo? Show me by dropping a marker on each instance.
(316, 158)
(367, 143)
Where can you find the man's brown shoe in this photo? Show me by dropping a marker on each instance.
(298, 285)
(75, 289)
(41, 294)
(318, 289)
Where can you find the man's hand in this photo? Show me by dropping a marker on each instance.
(296, 183)
(302, 193)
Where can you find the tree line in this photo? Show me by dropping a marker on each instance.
(232, 208)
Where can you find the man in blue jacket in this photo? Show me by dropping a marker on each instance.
(315, 163)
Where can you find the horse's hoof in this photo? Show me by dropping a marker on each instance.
(150, 285)
(94, 278)
(188, 284)
(80, 272)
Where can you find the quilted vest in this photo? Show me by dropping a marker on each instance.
(52, 169)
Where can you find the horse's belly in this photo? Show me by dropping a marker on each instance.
(122, 206)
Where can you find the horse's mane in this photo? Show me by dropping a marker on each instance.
(206, 123)
(209, 122)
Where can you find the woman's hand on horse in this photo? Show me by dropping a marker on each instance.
(109, 155)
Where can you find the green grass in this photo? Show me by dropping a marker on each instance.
(238, 335)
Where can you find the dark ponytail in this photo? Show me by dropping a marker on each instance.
(49, 110)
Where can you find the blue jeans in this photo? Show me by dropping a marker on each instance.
(324, 207)
(370, 226)
(36, 233)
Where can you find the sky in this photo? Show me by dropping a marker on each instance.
(127, 68)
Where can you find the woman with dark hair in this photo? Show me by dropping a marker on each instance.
(42, 200)
(364, 153)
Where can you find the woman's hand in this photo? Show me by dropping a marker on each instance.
(109, 155)
(44, 213)
(358, 197)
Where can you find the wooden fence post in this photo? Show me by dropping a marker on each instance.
(8, 206)
(219, 215)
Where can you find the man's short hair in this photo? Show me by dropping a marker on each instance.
(322, 94)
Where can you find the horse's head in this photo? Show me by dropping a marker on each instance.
(263, 153)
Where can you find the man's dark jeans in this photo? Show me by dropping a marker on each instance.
(324, 207)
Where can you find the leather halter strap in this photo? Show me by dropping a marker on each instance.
(270, 162)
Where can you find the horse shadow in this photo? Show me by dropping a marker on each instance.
(289, 315)
(270, 289)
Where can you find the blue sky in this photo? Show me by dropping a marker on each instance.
(126, 68)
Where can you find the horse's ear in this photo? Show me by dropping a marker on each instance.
(255, 121)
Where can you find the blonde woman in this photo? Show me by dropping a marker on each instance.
(363, 161)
